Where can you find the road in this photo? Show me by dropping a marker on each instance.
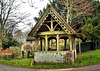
(87, 68)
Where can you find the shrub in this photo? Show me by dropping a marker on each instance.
(28, 47)
(5, 54)
(32, 54)
(39, 48)
(7, 44)
(15, 50)
(68, 46)
(4, 51)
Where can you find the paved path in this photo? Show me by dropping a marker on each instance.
(87, 68)
(12, 68)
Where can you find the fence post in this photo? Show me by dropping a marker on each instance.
(22, 54)
(12, 54)
(91, 58)
(28, 52)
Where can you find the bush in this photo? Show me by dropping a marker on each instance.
(4, 51)
(68, 46)
(7, 44)
(15, 50)
(32, 54)
(5, 54)
(27, 47)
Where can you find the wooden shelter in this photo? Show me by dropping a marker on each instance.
(52, 26)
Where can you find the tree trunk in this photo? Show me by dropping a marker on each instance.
(80, 49)
(0, 44)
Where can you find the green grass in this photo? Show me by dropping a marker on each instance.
(85, 61)
(14, 62)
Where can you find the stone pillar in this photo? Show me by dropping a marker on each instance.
(46, 43)
(41, 44)
(70, 39)
(36, 44)
(57, 42)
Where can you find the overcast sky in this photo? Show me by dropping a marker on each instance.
(25, 7)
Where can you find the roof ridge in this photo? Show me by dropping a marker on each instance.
(46, 10)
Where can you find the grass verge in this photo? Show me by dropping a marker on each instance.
(85, 61)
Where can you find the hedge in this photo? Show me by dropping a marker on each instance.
(85, 46)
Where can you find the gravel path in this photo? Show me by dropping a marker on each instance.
(87, 68)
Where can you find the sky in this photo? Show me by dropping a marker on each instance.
(25, 7)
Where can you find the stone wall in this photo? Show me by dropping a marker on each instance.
(54, 57)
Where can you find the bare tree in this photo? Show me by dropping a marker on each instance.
(74, 8)
(30, 2)
(10, 17)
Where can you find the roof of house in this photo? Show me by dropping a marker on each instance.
(51, 11)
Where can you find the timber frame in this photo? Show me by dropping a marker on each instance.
(52, 26)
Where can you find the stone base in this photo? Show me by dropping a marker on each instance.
(54, 57)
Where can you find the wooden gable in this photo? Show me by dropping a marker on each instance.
(50, 11)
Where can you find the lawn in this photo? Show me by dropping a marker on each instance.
(85, 61)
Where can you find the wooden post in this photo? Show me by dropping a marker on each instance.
(46, 43)
(67, 11)
(50, 43)
(74, 47)
(57, 42)
(65, 44)
(41, 44)
(36, 45)
(22, 54)
(0, 44)
(52, 24)
(43, 48)
(91, 58)
(32, 62)
(70, 38)
(80, 50)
